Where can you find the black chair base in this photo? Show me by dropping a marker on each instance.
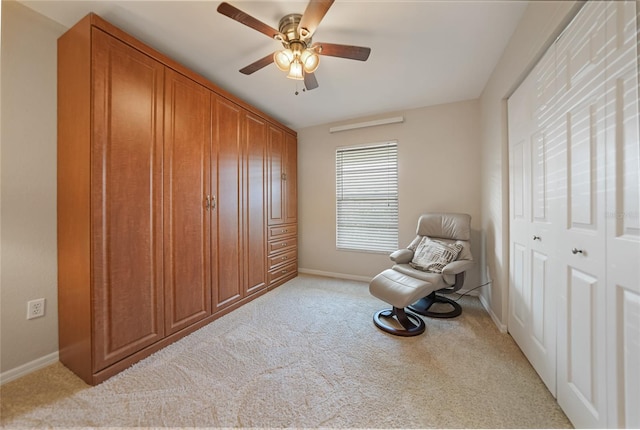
(422, 307)
(413, 324)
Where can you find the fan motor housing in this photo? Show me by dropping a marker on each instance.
(288, 26)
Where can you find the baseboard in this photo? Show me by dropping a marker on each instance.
(502, 327)
(27, 368)
(335, 275)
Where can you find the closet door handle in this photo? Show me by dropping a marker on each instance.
(576, 251)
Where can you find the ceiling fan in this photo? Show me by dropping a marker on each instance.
(300, 57)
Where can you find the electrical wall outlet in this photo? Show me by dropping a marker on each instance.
(35, 308)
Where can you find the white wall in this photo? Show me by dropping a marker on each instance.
(28, 184)
(439, 170)
(541, 23)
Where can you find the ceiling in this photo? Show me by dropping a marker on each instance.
(423, 53)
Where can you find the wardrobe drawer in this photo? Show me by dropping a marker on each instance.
(285, 257)
(283, 230)
(282, 244)
(289, 270)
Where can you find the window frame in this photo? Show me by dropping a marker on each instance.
(357, 241)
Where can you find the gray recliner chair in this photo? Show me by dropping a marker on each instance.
(434, 263)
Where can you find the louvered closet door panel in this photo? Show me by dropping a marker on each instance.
(255, 176)
(227, 225)
(186, 184)
(126, 200)
(582, 351)
(623, 216)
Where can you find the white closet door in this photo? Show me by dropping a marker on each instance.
(520, 111)
(623, 216)
(533, 283)
(574, 145)
(581, 249)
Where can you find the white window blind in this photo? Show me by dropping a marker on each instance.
(367, 198)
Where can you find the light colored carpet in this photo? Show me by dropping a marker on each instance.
(305, 355)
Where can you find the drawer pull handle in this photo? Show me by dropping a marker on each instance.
(283, 231)
(536, 238)
(576, 251)
(284, 244)
(284, 258)
(284, 271)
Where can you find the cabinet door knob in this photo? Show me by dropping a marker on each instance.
(576, 251)
(213, 202)
(536, 238)
(207, 203)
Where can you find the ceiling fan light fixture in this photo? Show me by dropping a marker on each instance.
(300, 58)
(283, 59)
(295, 70)
(310, 60)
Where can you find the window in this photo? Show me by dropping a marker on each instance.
(367, 198)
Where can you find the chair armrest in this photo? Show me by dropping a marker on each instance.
(401, 256)
(457, 266)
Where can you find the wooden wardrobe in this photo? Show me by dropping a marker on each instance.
(174, 201)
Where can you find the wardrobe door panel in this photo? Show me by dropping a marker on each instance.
(291, 179)
(186, 185)
(126, 200)
(255, 149)
(276, 171)
(227, 126)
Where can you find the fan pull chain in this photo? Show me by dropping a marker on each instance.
(304, 89)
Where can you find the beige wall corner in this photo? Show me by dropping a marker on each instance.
(28, 181)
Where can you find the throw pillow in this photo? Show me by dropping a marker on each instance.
(432, 255)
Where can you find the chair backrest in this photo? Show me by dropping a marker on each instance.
(451, 226)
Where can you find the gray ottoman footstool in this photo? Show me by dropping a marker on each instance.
(399, 291)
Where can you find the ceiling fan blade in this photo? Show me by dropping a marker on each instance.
(313, 14)
(246, 19)
(257, 65)
(310, 81)
(344, 51)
